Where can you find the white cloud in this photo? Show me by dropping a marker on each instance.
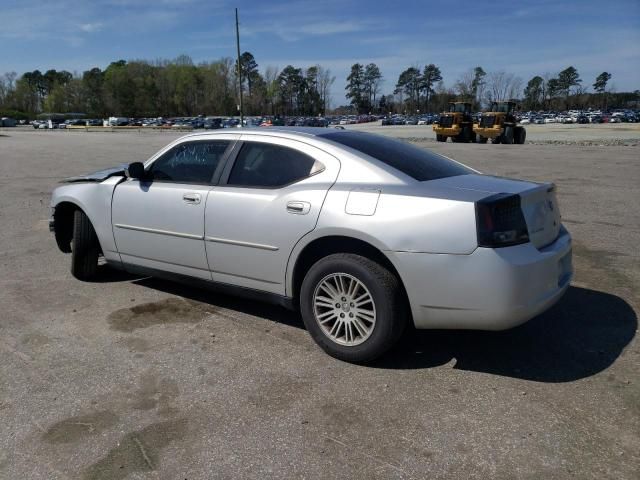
(91, 27)
(299, 27)
(330, 28)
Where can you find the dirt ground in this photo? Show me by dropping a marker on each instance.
(141, 378)
(603, 134)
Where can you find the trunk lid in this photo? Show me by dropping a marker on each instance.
(537, 200)
(541, 212)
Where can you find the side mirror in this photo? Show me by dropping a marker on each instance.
(134, 170)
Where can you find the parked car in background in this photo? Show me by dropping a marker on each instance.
(212, 123)
(118, 121)
(362, 233)
(7, 122)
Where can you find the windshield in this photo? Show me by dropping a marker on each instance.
(458, 107)
(418, 163)
(500, 107)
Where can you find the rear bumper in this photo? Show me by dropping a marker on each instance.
(490, 289)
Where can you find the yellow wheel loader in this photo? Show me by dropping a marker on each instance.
(500, 125)
(457, 123)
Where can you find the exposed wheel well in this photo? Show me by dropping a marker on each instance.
(324, 246)
(63, 225)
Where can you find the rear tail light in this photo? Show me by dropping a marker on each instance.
(500, 222)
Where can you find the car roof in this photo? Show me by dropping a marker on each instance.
(293, 131)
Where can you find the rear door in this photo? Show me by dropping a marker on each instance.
(268, 198)
(159, 223)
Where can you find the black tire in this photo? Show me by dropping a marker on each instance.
(521, 135)
(482, 139)
(507, 136)
(384, 288)
(441, 138)
(469, 136)
(84, 248)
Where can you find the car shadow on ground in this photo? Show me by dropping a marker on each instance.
(581, 336)
(256, 308)
(107, 274)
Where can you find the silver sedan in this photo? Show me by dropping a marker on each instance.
(361, 233)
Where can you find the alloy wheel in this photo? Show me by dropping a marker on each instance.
(344, 309)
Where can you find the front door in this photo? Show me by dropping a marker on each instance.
(265, 203)
(159, 222)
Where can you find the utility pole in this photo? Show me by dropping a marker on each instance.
(240, 107)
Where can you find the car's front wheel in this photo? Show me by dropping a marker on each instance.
(85, 248)
(353, 307)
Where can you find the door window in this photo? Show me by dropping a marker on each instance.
(271, 166)
(190, 162)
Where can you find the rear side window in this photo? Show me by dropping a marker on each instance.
(415, 162)
(190, 162)
(270, 166)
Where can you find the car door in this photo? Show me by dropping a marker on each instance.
(269, 197)
(158, 222)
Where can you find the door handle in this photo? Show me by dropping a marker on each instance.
(191, 198)
(298, 208)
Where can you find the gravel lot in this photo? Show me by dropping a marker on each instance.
(606, 134)
(142, 378)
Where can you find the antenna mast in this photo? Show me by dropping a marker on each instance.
(240, 107)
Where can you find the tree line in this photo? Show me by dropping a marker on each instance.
(179, 87)
(422, 89)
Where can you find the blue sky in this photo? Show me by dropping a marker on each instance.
(522, 37)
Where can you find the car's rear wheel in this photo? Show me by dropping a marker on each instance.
(85, 248)
(353, 307)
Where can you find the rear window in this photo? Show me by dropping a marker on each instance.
(415, 162)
